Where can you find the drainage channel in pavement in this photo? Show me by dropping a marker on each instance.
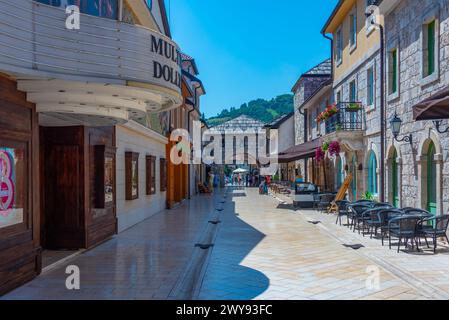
(189, 284)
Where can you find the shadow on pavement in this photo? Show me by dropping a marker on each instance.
(225, 277)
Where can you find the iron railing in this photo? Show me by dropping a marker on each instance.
(350, 117)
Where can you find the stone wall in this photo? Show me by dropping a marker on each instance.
(307, 87)
(404, 30)
(371, 140)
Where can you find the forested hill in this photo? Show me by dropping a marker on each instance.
(259, 109)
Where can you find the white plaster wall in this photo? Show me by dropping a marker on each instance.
(132, 212)
(287, 134)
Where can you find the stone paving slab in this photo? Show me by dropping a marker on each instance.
(271, 252)
(144, 262)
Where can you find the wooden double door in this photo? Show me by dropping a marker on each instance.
(78, 202)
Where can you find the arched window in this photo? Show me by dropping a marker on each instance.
(372, 173)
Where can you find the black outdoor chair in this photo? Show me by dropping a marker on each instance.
(342, 210)
(355, 214)
(403, 228)
(385, 216)
(373, 220)
(367, 202)
(325, 201)
(417, 212)
(434, 228)
(382, 205)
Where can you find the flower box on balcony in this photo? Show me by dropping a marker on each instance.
(328, 113)
(353, 107)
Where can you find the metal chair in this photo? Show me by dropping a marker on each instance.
(417, 212)
(403, 227)
(434, 227)
(342, 210)
(373, 220)
(324, 201)
(385, 216)
(355, 214)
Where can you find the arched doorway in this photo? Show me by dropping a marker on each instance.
(372, 173)
(354, 177)
(395, 178)
(431, 179)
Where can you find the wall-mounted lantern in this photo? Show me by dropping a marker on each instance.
(396, 124)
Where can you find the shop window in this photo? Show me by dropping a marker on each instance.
(163, 171)
(151, 175)
(132, 175)
(104, 177)
(12, 185)
(99, 8)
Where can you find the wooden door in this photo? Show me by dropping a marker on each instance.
(64, 219)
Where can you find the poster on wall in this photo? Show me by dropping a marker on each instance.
(11, 186)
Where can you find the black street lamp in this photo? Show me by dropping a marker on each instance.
(396, 124)
(437, 124)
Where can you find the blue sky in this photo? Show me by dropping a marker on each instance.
(248, 49)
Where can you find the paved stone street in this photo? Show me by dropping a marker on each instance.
(262, 250)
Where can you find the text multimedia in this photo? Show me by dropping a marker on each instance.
(169, 51)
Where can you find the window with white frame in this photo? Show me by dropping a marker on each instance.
(339, 46)
(429, 48)
(393, 71)
(370, 86)
(352, 91)
(353, 29)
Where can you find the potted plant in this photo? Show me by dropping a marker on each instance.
(353, 107)
(325, 146)
(338, 127)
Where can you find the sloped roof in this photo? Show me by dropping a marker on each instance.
(324, 68)
(276, 123)
(186, 57)
(241, 123)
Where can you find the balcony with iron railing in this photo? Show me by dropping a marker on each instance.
(349, 117)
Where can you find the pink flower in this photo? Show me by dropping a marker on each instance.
(319, 154)
(334, 148)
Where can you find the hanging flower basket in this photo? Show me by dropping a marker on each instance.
(319, 154)
(328, 113)
(334, 148)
